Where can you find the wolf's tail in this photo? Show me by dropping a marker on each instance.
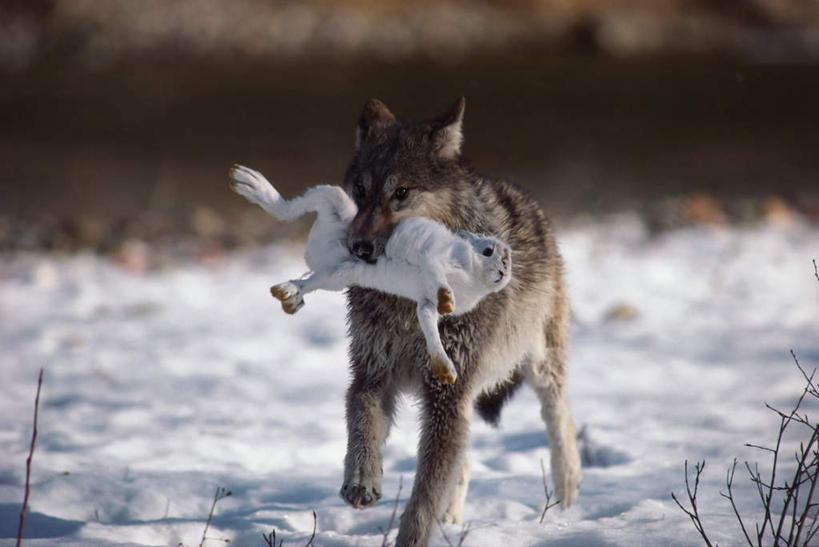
(489, 403)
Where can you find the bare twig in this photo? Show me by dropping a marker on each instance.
(394, 512)
(549, 502)
(464, 533)
(312, 537)
(790, 509)
(693, 514)
(221, 493)
(270, 539)
(461, 536)
(24, 510)
(729, 482)
(815, 271)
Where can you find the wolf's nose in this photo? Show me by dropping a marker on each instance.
(363, 250)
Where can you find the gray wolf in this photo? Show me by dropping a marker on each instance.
(401, 170)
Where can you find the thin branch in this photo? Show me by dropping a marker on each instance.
(270, 539)
(547, 492)
(815, 271)
(315, 524)
(814, 389)
(24, 510)
(729, 482)
(220, 494)
(394, 512)
(461, 536)
(692, 499)
(813, 480)
(464, 532)
(443, 532)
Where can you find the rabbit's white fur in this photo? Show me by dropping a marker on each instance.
(423, 260)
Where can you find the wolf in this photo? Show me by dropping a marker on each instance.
(423, 261)
(401, 170)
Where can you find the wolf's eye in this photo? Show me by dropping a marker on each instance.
(488, 251)
(401, 193)
(358, 190)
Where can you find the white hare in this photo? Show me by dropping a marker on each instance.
(423, 260)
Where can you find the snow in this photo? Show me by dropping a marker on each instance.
(160, 387)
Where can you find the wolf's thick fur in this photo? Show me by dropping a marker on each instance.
(401, 170)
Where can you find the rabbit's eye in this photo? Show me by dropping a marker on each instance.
(488, 251)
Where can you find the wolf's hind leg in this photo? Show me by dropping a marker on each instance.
(547, 377)
(442, 367)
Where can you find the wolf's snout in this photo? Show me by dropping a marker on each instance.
(363, 250)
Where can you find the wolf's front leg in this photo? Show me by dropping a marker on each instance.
(442, 367)
(444, 438)
(370, 406)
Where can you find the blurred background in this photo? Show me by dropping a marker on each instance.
(119, 119)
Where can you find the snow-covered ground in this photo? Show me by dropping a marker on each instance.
(160, 387)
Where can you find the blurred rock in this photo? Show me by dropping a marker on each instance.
(777, 211)
(620, 312)
(703, 208)
(207, 223)
(133, 255)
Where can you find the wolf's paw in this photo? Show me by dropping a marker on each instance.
(442, 369)
(290, 296)
(361, 491)
(566, 475)
(446, 301)
(450, 518)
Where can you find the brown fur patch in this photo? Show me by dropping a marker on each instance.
(446, 303)
(278, 292)
(440, 371)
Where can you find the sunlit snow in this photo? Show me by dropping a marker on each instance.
(160, 387)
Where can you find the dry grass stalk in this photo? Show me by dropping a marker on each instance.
(24, 510)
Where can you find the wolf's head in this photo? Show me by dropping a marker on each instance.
(401, 170)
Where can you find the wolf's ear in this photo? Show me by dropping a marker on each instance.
(446, 134)
(375, 115)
